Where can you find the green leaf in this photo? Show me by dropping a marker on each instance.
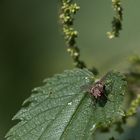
(61, 110)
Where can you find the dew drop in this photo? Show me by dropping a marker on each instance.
(70, 103)
(93, 127)
(86, 78)
(42, 129)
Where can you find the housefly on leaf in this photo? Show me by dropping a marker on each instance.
(97, 91)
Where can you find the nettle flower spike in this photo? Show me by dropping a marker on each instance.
(68, 11)
(117, 19)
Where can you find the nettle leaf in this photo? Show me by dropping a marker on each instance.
(60, 110)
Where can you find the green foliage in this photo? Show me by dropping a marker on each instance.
(112, 138)
(61, 110)
(135, 66)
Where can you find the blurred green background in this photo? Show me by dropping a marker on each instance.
(32, 46)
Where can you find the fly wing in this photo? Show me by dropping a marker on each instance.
(104, 77)
(86, 88)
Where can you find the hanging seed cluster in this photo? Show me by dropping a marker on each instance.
(117, 19)
(68, 11)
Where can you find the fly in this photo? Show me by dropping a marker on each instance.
(97, 91)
